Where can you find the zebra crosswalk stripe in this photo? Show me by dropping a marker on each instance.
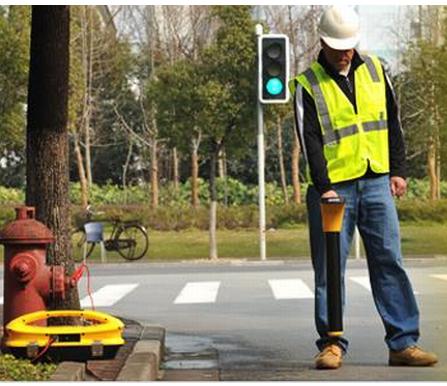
(362, 280)
(442, 277)
(290, 289)
(198, 292)
(108, 295)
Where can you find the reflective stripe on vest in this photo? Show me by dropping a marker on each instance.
(330, 135)
(371, 68)
(352, 139)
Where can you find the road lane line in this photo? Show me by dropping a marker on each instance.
(290, 289)
(364, 282)
(108, 295)
(198, 292)
(442, 277)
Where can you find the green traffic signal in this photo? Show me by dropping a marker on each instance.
(274, 86)
(273, 54)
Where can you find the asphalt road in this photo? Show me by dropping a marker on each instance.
(254, 320)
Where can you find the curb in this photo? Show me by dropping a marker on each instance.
(69, 371)
(142, 364)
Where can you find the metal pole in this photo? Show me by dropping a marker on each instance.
(262, 242)
(261, 166)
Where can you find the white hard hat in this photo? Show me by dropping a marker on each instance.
(339, 27)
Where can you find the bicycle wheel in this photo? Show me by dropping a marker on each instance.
(132, 242)
(77, 245)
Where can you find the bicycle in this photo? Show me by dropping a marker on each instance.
(128, 238)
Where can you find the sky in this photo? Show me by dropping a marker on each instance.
(385, 30)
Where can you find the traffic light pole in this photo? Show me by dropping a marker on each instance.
(261, 182)
(261, 168)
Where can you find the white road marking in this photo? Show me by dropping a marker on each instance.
(442, 277)
(198, 292)
(108, 295)
(364, 282)
(290, 289)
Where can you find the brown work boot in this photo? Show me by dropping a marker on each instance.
(330, 358)
(412, 356)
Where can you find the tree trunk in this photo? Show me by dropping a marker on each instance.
(432, 159)
(220, 163)
(213, 202)
(87, 128)
(154, 174)
(438, 166)
(296, 169)
(47, 135)
(433, 155)
(222, 167)
(281, 160)
(194, 177)
(125, 169)
(175, 166)
(81, 172)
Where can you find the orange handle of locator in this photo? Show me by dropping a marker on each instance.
(332, 211)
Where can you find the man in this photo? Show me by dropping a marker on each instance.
(349, 128)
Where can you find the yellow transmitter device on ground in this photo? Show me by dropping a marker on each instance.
(93, 335)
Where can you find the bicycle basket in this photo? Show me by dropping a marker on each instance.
(94, 232)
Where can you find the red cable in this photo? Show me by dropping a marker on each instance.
(45, 349)
(89, 291)
(77, 276)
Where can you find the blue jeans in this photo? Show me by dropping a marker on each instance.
(370, 206)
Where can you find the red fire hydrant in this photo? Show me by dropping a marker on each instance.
(29, 282)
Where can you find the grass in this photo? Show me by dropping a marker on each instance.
(417, 239)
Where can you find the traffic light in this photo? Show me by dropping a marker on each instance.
(273, 59)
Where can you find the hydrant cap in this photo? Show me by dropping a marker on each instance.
(25, 229)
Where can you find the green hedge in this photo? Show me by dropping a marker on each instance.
(233, 217)
(175, 213)
(171, 218)
(230, 192)
(422, 210)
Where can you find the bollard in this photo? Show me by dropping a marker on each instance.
(332, 210)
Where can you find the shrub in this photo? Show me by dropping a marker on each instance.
(175, 212)
(12, 369)
(229, 191)
(422, 210)
(8, 195)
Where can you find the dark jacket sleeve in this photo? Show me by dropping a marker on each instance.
(313, 142)
(396, 142)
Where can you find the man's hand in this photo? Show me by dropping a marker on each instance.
(329, 193)
(398, 186)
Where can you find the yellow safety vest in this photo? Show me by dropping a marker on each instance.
(351, 140)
